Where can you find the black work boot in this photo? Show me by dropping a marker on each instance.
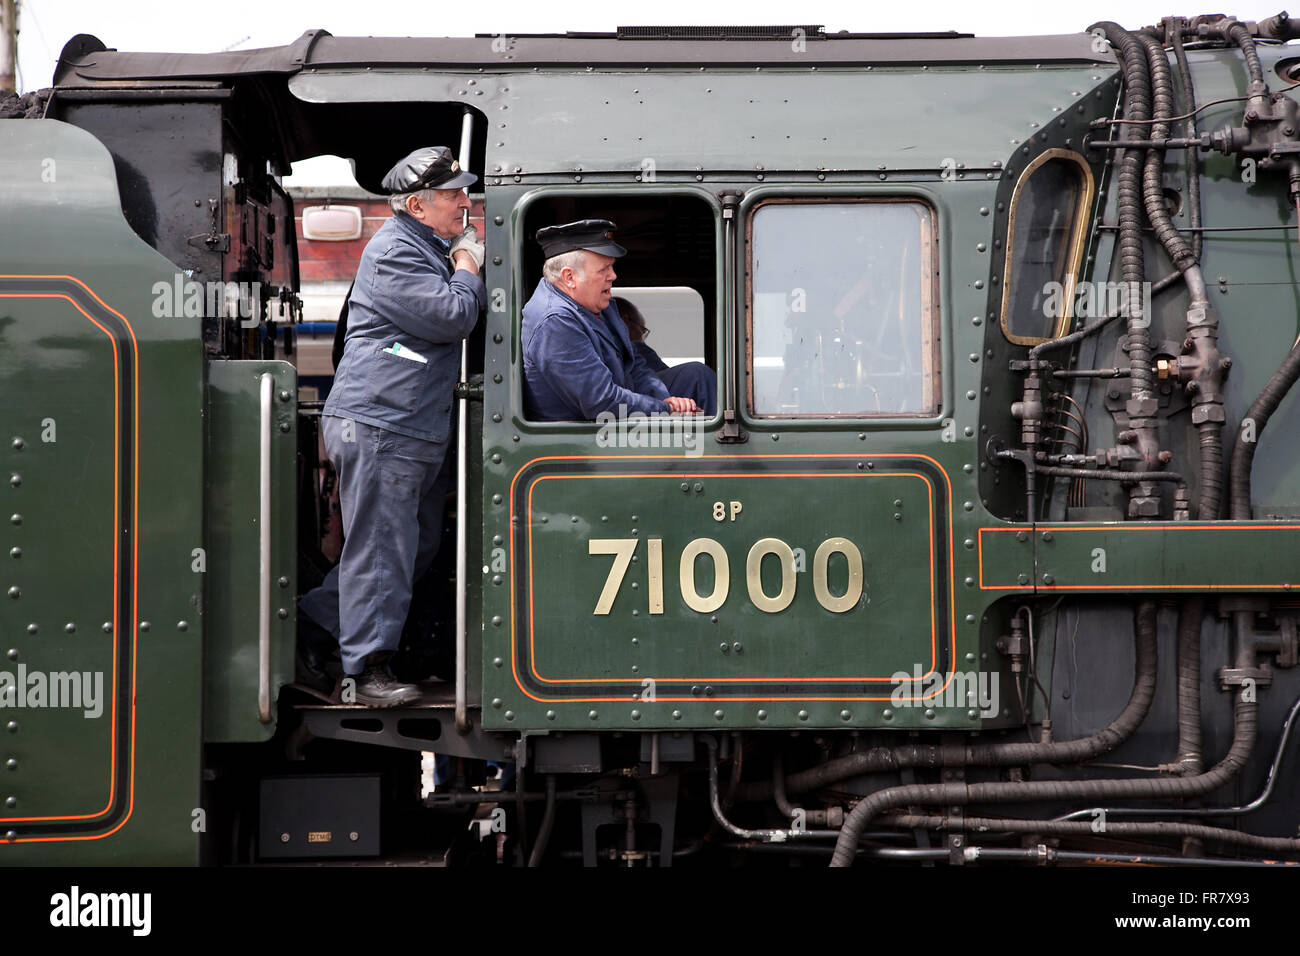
(316, 661)
(376, 687)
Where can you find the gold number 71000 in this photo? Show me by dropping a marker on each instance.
(623, 549)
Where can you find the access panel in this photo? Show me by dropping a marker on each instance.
(658, 591)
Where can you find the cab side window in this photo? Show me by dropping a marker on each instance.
(842, 309)
(1045, 237)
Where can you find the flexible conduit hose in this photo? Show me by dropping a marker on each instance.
(913, 821)
(1137, 106)
(1193, 154)
(1190, 615)
(882, 759)
(1239, 35)
(1245, 721)
(1243, 451)
(1185, 256)
(1153, 181)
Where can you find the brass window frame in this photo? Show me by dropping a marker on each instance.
(1074, 257)
(931, 360)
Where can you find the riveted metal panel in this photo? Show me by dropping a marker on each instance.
(94, 363)
(231, 672)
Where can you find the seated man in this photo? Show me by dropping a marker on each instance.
(693, 379)
(578, 358)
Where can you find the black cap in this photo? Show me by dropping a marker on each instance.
(430, 167)
(594, 235)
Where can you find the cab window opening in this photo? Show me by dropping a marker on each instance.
(669, 275)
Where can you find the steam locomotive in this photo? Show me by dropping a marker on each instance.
(988, 554)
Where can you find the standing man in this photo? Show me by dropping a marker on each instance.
(387, 421)
(578, 358)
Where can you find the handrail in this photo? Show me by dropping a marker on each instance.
(264, 552)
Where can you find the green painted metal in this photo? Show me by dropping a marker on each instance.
(232, 496)
(102, 407)
(1150, 556)
(573, 121)
(806, 509)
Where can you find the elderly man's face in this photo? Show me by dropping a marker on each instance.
(591, 286)
(443, 215)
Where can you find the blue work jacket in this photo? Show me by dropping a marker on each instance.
(405, 293)
(578, 364)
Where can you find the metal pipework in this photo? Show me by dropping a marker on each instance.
(982, 754)
(959, 823)
(762, 836)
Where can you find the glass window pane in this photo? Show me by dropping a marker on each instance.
(842, 309)
(1044, 211)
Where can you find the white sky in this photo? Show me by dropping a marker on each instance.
(202, 26)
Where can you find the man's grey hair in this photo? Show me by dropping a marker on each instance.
(397, 203)
(574, 260)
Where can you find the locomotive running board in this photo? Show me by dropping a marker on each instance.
(429, 725)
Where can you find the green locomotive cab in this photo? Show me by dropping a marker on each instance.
(960, 452)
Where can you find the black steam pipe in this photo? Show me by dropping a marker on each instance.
(1153, 196)
(1239, 35)
(915, 821)
(1153, 143)
(1264, 795)
(1056, 471)
(1245, 728)
(1193, 160)
(1092, 373)
(1190, 616)
(548, 821)
(884, 759)
(1079, 335)
(1243, 451)
(1137, 106)
(1041, 854)
(1280, 27)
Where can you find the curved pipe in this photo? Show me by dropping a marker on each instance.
(548, 821)
(1239, 35)
(1153, 194)
(1243, 452)
(763, 836)
(1246, 717)
(1269, 781)
(1037, 351)
(883, 759)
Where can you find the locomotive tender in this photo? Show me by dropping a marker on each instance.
(988, 554)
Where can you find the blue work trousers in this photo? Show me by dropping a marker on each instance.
(392, 490)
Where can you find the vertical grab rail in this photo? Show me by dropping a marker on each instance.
(264, 552)
(462, 482)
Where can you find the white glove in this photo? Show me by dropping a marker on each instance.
(467, 241)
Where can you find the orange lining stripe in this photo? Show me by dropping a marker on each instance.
(135, 559)
(786, 455)
(532, 644)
